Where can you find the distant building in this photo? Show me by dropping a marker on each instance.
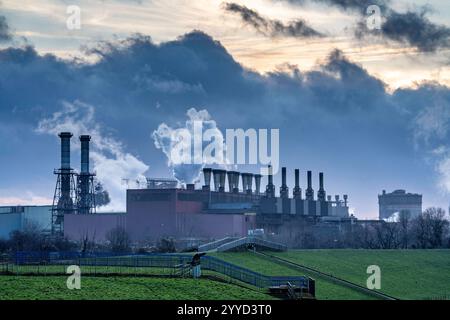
(397, 201)
(14, 218)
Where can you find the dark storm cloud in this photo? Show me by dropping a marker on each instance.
(272, 28)
(412, 27)
(5, 33)
(137, 84)
(353, 5)
(415, 30)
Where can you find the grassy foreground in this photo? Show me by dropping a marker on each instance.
(121, 288)
(405, 274)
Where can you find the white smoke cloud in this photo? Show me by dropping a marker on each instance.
(110, 162)
(186, 168)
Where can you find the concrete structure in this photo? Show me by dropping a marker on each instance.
(211, 213)
(397, 201)
(14, 218)
(94, 227)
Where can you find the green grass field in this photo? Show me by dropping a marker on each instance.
(405, 274)
(122, 288)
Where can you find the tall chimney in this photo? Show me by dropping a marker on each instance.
(297, 189)
(222, 175)
(230, 175)
(284, 190)
(248, 182)
(65, 168)
(345, 200)
(258, 183)
(207, 176)
(270, 188)
(309, 191)
(321, 195)
(236, 181)
(338, 202)
(65, 150)
(216, 178)
(85, 153)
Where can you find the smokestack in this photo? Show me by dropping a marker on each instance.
(85, 190)
(247, 179)
(222, 175)
(65, 150)
(244, 181)
(231, 183)
(309, 191)
(270, 188)
(297, 189)
(236, 182)
(345, 199)
(258, 183)
(85, 153)
(216, 178)
(338, 202)
(284, 190)
(321, 195)
(207, 176)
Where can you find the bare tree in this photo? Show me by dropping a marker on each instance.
(404, 222)
(387, 235)
(118, 239)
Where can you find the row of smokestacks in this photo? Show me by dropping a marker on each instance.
(220, 175)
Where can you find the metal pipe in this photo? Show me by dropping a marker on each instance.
(207, 176)
(230, 175)
(297, 190)
(309, 191)
(84, 140)
(321, 195)
(65, 150)
(258, 183)
(284, 190)
(270, 188)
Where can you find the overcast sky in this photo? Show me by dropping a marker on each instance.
(369, 108)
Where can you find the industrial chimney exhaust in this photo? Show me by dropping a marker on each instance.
(284, 190)
(321, 195)
(207, 176)
(258, 183)
(297, 189)
(85, 181)
(309, 191)
(270, 188)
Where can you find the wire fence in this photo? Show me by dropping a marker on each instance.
(125, 264)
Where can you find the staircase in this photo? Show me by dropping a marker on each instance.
(251, 241)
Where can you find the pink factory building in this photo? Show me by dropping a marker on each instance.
(179, 213)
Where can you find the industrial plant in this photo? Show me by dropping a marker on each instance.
(229, 204)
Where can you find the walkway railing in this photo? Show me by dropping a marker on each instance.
(50, 263)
